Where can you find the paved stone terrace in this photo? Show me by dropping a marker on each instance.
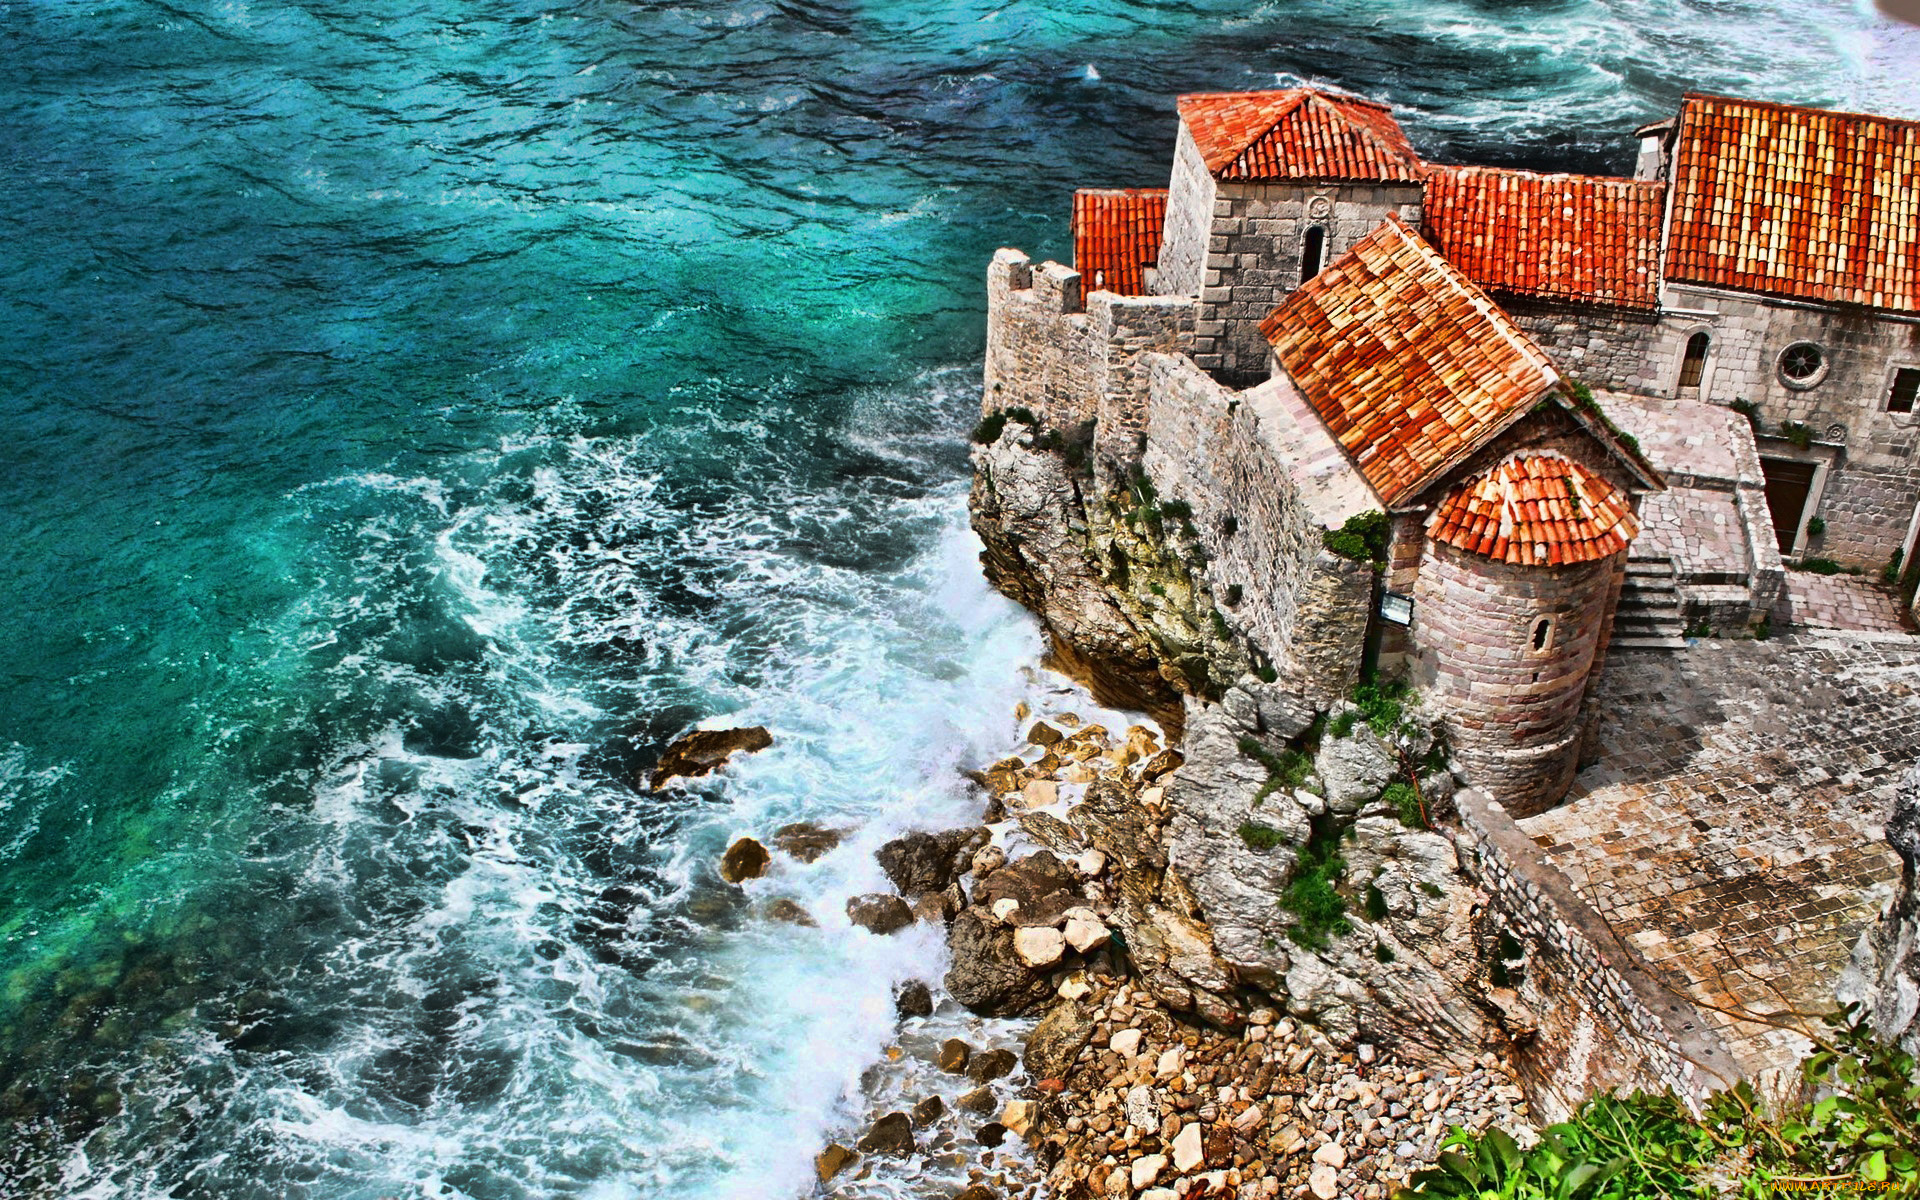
(1732, 829)
(1838, 602)
(1700, 529)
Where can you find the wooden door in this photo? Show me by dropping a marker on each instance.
(1787, 486)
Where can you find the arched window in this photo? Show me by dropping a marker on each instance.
(1312, 249)
(1695, 363)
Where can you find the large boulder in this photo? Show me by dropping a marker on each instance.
(745, 859)
(1356, 768)
(879, 913)
(987, 976)
(891, 1135)
(1044, 886)
(704, 751)
(928, 862)
(1057, 1041)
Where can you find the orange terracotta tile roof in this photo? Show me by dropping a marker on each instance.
(1797, 202)
(1410, 365)
(1116, 236)
(1536, 509)
(1298, 133)
(1562, 237)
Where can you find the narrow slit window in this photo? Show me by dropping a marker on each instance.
(1312, 249)
(1906, 388)
(1695, 363)
(1542, 633)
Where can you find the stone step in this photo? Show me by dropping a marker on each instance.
(1651, 593)
(1660, 642)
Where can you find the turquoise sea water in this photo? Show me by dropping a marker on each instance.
(414, 413)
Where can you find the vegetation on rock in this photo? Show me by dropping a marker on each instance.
(1363, 538)
(1857, 1134)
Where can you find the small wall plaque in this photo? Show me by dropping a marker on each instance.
(1396, 608)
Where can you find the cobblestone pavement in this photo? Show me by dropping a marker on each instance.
(1732, 828)
(1836, 602)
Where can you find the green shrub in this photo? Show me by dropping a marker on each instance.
(1798, 433)
(1266, 672)
(1363, 538)
(988, 430)
(1383, 704)
(1405, 800)
(1509, 948)
(1287, 769)
(1818, 566)
(990, 426)
(1232, 595)
(1762, 630)
(1310, 894)
(1856, 1133)
(1383, 952)
(1260, 837)
(1582, 397)
(1816, 526)
(1220, 629)
(1178, 510)
(1229, 525)
(1890, 574)
(1343, 724)
(1749, 410)
(1376, 905)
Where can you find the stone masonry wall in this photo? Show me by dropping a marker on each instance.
(1581, 1007)
(1600, 347)
(1512, 713)
(1181, 267)
(1253, 258)
(1302, 608)
(1871, 495)
(1072, 358)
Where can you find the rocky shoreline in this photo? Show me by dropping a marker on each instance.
(1150, 1069)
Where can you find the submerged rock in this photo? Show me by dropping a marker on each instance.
(788, 911)
(879, 913)
(890, 1135)
(914, 999)
(745, 859)
(704, 751)
(806, 841)
(833, 1160)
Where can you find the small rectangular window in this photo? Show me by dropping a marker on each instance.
(1906, 386)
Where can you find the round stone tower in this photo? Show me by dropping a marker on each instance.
(1512, 606)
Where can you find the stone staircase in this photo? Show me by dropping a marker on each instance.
(1649, 614)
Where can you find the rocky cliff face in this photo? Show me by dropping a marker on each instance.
(1274, 865)
(1884, 975)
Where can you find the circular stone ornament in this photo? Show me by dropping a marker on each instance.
(1803, 365)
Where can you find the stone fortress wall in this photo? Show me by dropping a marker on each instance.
(1585, 1012)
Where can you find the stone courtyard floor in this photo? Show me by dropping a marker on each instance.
(1836, 602)
(1732, 828)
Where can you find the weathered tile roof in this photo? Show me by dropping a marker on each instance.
(1561, 237)
(1797, 202)
(1536, 509)
(1410, 365)
(1298, 133)
(1116, 236)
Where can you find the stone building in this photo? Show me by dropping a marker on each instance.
(1764, 255)
(1310, 323)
